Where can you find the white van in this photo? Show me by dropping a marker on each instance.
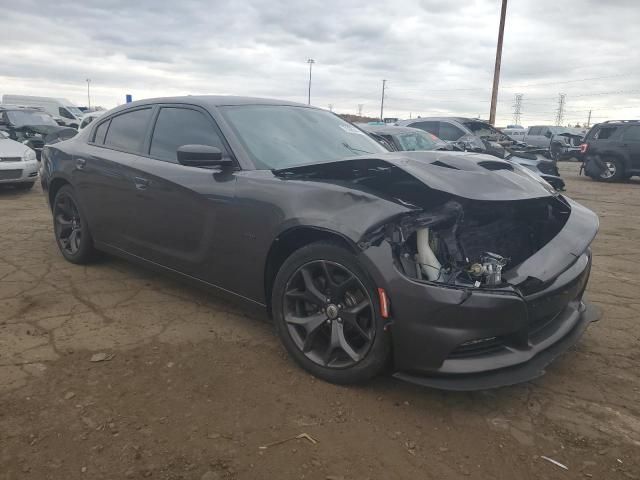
(65, 112)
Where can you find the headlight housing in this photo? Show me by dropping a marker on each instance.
(29, 155)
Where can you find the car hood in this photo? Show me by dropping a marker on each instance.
(468, 175)
(11, 148)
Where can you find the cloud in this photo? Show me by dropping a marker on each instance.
(437, 56)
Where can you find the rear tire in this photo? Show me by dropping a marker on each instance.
(614, 171)
(327, 314)
(71, 228)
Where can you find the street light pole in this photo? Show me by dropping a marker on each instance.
(496, 71)
(310, 61)
(88, 93)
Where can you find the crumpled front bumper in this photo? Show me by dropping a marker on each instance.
(492, 339)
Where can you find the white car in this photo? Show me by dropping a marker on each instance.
(18, 164)
(90, 117)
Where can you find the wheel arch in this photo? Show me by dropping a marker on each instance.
(54, 186)
(291, 240)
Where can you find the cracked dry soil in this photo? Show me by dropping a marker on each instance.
(197, 385)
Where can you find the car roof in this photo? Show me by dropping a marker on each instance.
(389, 129)
(212, 101)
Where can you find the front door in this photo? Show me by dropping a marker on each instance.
(180, 211)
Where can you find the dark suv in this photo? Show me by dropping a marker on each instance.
(611, 150)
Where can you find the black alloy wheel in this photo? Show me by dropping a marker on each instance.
(327, 314)
(70, 229)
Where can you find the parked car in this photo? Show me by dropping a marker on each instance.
(466, 270)
(611, 150)
(90, 117)
(405, 138)
(561, 142)
(65, 112)
(516, 132)
(32, 127)
(475, 135)
(18, 164)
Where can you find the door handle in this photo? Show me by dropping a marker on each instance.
(141, 183)
(80, 163)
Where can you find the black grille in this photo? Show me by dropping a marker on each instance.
(10, 159)
(477, 347)
(10, 174)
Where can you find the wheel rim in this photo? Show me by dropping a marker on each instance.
(609, 171)
(329, 314)
(68, 226)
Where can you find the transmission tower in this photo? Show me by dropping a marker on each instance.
(360, 105)
(517, 108)
(560, 112)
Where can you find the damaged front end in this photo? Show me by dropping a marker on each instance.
(485, 270)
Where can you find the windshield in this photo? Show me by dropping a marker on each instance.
(280, 136)
(20, 118)
(481, 129)
(75, 110)
(416, 141)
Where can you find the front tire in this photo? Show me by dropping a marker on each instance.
(327, 315)
(71, 228)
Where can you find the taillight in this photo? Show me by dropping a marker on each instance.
(584, 147)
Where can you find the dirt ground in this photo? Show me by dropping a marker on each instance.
(192, 387)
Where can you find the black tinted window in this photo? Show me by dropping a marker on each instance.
(632, 133)
(180, 126)
(449, 132)
(127, 130)
(65, 113)
(605, 132)
(101, 132)
(431, 127)
(535, 131)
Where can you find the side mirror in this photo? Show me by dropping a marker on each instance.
(201, 156)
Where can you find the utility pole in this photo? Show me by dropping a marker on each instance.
(589, 119)
(517, 108)
(496, 71)
(310, 61)
(360, 105)
(384, 83)
(88, 93)
(560, 110)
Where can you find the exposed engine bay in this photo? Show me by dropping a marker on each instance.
(471, 243)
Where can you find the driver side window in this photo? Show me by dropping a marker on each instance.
(182, 126)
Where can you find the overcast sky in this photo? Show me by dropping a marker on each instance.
(437, 56)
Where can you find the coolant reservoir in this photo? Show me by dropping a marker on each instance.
(428, 262)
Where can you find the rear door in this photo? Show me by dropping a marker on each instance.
(104, 176)
(631, 142)
(181, 211)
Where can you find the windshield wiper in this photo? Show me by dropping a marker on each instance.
(353, 149)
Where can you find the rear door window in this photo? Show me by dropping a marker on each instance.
(535, 131)
(181, 126)
(127, 131)
(449, 132)
(632, 134)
